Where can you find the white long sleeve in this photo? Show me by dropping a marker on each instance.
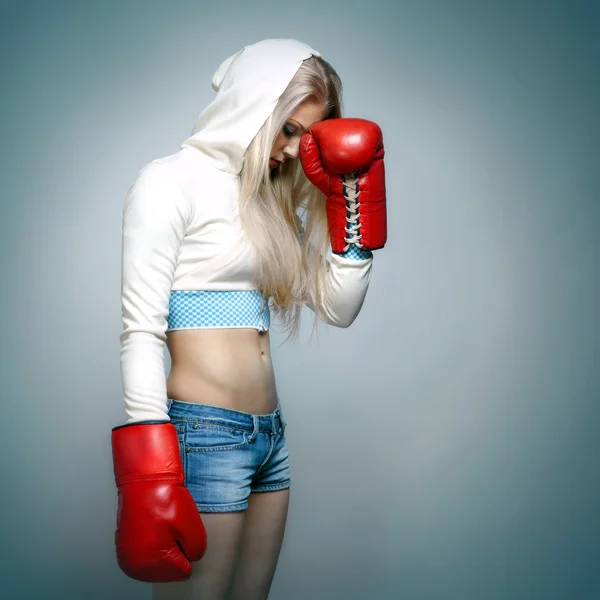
(347, 284)
(155, 217)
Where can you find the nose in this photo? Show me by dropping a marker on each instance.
(292, 149)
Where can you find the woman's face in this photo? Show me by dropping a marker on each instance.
(287, 144)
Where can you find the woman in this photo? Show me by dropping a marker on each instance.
(212, 241)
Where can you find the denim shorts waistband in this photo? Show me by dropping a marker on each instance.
(217, 415)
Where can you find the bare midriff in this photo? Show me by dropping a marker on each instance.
(231, 368)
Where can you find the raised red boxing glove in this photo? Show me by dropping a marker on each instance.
(159, 529)
(344, 159)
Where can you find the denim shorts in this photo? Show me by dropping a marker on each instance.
(227, 454)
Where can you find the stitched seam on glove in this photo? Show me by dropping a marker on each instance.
(166, 476)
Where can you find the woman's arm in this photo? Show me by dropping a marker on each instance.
(347, 282)
(343, 158)
(155, 218)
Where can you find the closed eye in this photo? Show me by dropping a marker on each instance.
(288, 131)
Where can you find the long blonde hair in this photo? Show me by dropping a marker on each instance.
(291, 266)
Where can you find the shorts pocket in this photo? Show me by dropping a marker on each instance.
(180, 428)
(214, 438)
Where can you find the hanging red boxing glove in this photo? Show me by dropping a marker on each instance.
(344, 159)
(159, 529)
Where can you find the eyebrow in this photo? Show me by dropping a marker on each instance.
(299, 125)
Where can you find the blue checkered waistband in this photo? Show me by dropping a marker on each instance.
(218, 308)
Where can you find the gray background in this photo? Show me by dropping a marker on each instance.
(446, 445)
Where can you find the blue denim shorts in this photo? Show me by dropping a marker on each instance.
(227, 454)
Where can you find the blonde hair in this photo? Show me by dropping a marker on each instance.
(291, 271)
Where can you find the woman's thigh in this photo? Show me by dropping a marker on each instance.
(262, 537)
(212, 575)
(236, 469)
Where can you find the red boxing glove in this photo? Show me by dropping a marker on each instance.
(344, 159)
(159, 529)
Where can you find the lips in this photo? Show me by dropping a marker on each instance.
(274, 163)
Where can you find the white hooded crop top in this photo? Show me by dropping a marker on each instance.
(186, 262)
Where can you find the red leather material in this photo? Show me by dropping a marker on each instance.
(345, 146)
(159, 529)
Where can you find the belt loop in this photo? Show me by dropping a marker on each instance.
(255, 431)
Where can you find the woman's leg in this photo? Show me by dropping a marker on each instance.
(260, 545)
(212, 575)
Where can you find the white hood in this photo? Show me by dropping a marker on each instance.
(248, 85)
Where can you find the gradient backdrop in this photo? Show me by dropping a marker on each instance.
(446, 446)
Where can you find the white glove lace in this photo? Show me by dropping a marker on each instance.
(353, 226)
